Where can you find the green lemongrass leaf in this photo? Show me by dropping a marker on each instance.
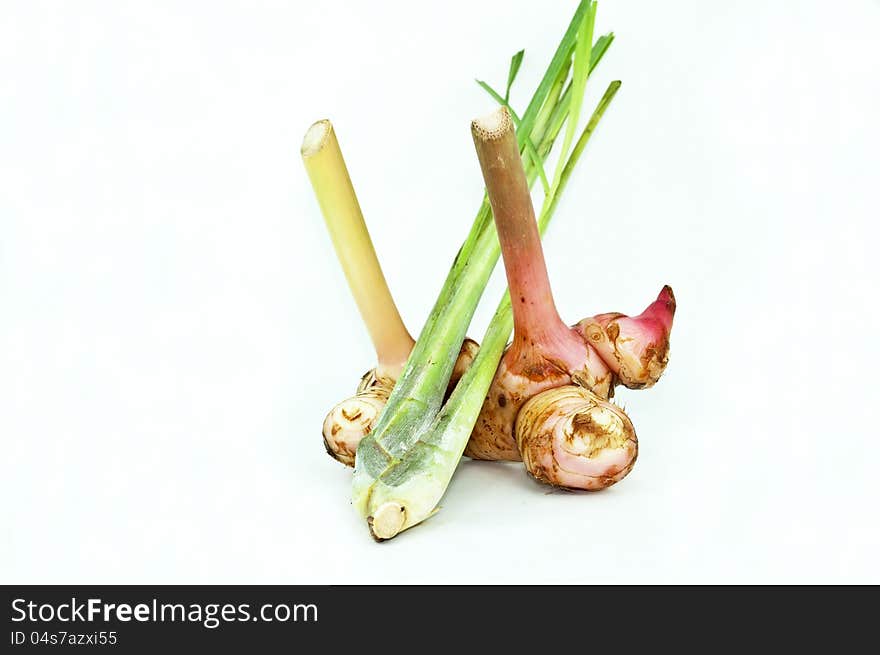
(560, 59)
(529, 146)
(515, 63)
(553, 113)
(501, 101)
(580, 72)
(600, 47)
(608, 96)
(553, 98)
(539, 166)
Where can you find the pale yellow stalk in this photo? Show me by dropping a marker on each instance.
(354, 248)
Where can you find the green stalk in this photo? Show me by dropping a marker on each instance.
(549, 207)
(409, 492)
(418, 394)
(581, 66)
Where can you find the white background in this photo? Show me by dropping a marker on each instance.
(173, 323)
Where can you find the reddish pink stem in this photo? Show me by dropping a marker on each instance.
(535, 316)
(534, 312)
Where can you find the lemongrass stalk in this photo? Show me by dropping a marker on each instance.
(351, 419)
(409, 492)
(417, 398)
(354, 248)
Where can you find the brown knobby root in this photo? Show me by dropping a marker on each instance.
(635, 348)
(348, 422)
(544, 353)
(466, 357)
(493, 435)
(548, 402)
(570, 437)
(354, 418)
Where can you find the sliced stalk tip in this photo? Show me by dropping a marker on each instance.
(339, 205)
(492, 126)
(387, 521)
(315, 137)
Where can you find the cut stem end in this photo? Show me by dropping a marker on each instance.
(387, 521)
(315, 137)
(492, 126)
